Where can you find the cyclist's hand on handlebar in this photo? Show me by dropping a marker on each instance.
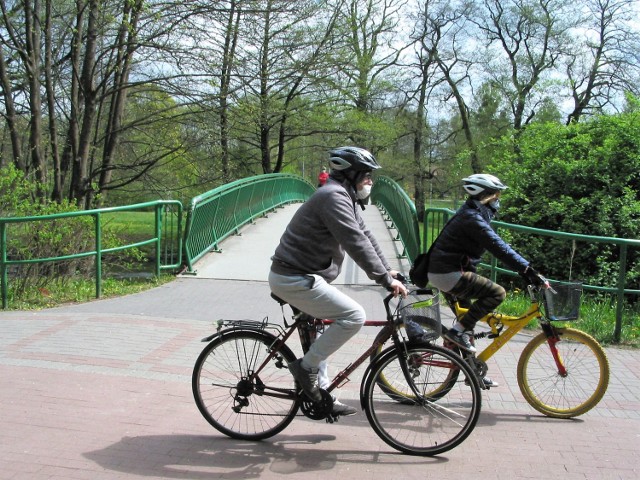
(532, 276)
(398, 288)
(398, 276)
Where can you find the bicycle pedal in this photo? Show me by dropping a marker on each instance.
(332, 418)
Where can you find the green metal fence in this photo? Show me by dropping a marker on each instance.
(166, 237)
(398, 208)
(435, 218)
(215, 215)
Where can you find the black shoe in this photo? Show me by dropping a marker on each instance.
(424, 337)
(307, 380)
(461, 339)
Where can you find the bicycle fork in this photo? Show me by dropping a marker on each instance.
(552, 340)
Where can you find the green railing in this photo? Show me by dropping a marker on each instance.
(392, 200)
(215, 215)
(166, 237)
(435, 218)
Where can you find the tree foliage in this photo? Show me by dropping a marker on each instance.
(582, 178)
(126, 100)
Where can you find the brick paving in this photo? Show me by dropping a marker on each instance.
(102, 391)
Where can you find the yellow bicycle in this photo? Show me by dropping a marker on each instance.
(562, 372)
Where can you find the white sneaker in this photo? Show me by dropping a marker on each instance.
(490, 383)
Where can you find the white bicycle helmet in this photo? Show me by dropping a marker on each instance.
(352, 158)
(482, 182)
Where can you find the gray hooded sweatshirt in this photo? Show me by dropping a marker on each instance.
(324, 227)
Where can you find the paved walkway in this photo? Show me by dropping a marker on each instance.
(102, 391)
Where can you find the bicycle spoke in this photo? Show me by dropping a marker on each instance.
(422, 425)
(571, 394)
(233, 397)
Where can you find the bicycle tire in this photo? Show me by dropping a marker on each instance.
(422, 426)
(436, 391)
(560, 396)
(234, 404)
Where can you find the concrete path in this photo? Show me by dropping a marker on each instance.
(102, 391)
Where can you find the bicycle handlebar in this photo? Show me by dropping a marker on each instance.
(387, 299)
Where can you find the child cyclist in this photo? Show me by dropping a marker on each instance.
(457, 251)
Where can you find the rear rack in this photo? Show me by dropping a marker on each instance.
(252, 324)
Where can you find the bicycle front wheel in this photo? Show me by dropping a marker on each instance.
(233, 397)
(568, 393)
(411, 420)
(436, 390)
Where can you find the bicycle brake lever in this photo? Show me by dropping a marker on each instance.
(546, 285)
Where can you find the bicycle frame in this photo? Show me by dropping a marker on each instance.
(505, 327)
(303, 324)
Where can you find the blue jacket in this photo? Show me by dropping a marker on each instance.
(466, 237)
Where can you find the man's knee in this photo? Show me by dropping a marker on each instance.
(354, 320)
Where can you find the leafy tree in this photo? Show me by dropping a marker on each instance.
(582, 178)
(525, 39)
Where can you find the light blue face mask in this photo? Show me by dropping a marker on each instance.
(495, 204)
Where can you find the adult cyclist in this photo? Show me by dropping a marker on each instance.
(310, 255)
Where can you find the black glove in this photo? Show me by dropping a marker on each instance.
(532, 277)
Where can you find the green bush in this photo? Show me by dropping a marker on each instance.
(582, 178)
(48, 239)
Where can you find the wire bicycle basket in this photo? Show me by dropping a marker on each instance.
(564, 305)
(420, 314)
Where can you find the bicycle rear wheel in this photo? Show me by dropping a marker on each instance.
(421, 424)
(235, 399)
(563, 395)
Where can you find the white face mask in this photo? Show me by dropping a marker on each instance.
(364, 192)
(495, 204)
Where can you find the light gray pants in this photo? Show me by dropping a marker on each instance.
(313, 295)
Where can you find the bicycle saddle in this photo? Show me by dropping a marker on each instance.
(284, 302)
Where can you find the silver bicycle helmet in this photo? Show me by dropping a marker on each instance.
(352, 158)
(482, 182)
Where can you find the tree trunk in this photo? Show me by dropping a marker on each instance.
(125, 47)
(10, 116)
(265, 127)
(32, 63)
(56, 193)
(80, 185)
(230, 43)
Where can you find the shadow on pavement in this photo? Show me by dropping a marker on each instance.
(489, 419)
(204, 457)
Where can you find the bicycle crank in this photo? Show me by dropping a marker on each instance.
(317, 410)
(479, 367)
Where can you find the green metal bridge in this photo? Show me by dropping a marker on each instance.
(181, 236)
